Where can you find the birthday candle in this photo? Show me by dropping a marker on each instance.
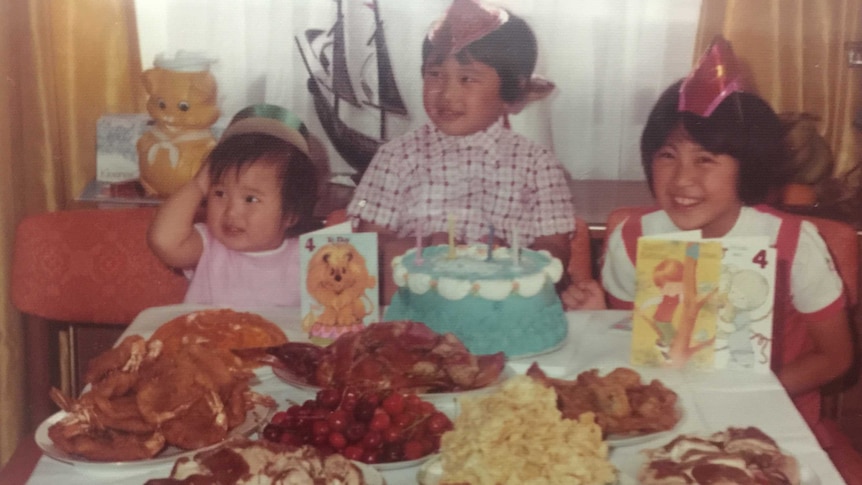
(490, 243)
(451, 254)
(418, 259)
(516, 247)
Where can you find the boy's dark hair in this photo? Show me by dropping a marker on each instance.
(511, 50)
(742, 126)
(296, 173)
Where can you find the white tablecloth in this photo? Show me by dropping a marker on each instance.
(712, 401)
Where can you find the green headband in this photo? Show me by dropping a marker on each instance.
(269, 119)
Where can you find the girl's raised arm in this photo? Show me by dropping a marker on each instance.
(172, 235)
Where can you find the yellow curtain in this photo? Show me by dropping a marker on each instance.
(63, 64)
(795, 52)
(11, 358)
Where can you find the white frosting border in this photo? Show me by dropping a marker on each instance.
(494, 290)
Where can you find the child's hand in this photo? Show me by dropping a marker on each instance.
(584, 295)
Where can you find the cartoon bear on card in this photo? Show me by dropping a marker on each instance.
(338, 279)
(183, 106)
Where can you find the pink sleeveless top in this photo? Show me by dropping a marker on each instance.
(233, 278)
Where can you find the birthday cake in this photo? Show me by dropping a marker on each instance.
(491, 304)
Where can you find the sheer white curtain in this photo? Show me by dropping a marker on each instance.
(610, 59)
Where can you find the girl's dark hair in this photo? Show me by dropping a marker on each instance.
(742, 126)
(511, 50)
(297, 175)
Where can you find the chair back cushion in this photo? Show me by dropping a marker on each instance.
(90, 265)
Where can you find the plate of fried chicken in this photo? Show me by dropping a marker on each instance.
(146, 403)
(628, 409)
(255, 418)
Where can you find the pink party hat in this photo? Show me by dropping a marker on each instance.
(466, 21)
(716, 77)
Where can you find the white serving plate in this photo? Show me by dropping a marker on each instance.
(621, 440)
(398, 465)
(647, 375)
(430, 472)
(444, 401)
(254, 419)
(628, 473)
(371, 474)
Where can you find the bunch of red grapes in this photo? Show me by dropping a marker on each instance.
(371, 427)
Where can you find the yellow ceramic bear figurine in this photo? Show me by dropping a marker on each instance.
(182, 103)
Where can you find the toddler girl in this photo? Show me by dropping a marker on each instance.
(260, 188)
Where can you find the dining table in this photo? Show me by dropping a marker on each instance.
(709, 401)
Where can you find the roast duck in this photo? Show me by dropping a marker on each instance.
(402, 355)
(142, 398)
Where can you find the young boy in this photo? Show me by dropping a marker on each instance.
(466, 165)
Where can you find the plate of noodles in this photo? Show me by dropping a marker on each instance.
(517, 434)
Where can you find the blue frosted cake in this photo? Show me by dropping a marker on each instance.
(491, 305)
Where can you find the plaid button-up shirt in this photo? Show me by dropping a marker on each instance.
(496, 176)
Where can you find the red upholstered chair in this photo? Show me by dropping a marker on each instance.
(87, 270)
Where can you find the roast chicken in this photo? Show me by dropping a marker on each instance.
(402, 355)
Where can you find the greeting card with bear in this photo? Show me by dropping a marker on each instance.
(339, 283)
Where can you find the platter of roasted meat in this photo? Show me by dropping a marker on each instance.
(258, 461)
(403, 356)
(147, 401)
(255, 419)
(629, 410)
(225, 328)
(733, 455)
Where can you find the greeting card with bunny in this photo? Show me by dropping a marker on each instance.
(340, 284)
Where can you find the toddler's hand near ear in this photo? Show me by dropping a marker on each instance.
(584, 295)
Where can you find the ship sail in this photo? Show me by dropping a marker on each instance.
(355, 147)
(390, 97)
(341, 85)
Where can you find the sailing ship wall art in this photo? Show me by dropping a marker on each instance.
(331, 85)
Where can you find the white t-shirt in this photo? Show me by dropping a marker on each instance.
(814, 281)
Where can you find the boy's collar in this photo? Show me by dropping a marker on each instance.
(493, 131)
(465, 22)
